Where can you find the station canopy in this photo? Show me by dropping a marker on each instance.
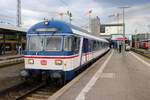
(120, 39)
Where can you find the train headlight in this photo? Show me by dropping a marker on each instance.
(30, 61)
(58, 62)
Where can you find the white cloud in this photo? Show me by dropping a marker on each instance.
(38, 10)
(35, 10)
(30, 22)
(139, 23)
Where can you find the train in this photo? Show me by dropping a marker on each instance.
(141, 41)
(60, 50)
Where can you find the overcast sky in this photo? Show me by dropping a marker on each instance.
(137, 16)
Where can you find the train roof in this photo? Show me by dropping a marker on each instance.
(64, 28)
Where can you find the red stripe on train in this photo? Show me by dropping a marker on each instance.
(57, 57)
(52, 57)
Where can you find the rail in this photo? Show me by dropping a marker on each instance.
(30, 90)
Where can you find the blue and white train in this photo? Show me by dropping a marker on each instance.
(60, 49)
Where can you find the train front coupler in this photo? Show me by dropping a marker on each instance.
(25, 74)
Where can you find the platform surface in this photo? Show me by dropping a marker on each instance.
(5, 57)
(123, 77)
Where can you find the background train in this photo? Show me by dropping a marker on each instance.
(141, 41)
(60, 50)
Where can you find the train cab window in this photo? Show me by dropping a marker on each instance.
(67, 43)
(35, 43)
(53, 43)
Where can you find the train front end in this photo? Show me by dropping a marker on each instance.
(45, 50)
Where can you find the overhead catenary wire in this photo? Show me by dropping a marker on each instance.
(141, 8)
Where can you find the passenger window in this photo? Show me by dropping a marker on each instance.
(90, 45)
(94, 45)
(97, 45)
(76, 43)
(85, 46)
(67, 43)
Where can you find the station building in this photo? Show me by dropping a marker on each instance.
(95, 26)
(12, 39)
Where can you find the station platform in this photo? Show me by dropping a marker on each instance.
(6, 60)
(115, 76)
(5, 57)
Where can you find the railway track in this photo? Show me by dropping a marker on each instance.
(32, 90)
(26, 91)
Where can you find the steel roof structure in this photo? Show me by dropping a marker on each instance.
(7, 27)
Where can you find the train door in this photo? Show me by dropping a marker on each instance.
(81, 50)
